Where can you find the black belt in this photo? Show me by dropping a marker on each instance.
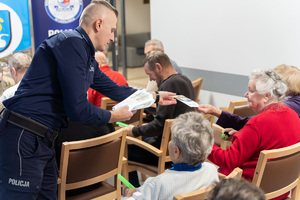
(29, 125)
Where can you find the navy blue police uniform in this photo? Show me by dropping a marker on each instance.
(53, 88)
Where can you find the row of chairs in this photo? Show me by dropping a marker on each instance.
(102, 157)
(94, 160)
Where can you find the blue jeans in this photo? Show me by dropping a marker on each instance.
(28, 167)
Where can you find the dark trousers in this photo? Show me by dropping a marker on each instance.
(28, 167)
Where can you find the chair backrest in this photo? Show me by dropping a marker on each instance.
(239, 108)
(87, 162)
(136, 120)
(277, 171)
(218, 140)
(197, 86)
(162, 153)
(203, 193)
(107, 103)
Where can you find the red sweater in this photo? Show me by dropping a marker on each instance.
(95, 97)
(275, 127)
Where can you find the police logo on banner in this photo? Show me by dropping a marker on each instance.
(63, 11)
(11, 30)
(5, 31)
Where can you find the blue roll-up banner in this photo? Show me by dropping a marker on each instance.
(53, 16)
(14, 26)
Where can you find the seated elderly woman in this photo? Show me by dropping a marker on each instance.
(191, 142)
(289, 74)
(275, 126)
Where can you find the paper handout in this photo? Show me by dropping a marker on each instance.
(138, 100)
(186, 101)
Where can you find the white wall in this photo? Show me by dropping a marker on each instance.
(230, 36)
(137, 15)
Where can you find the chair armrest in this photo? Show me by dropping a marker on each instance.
(153, 105)
(224, 108)
(198, 194)
(144, 145)
(223, 143)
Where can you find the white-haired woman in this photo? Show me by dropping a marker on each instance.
(191, 142)
(275, 126)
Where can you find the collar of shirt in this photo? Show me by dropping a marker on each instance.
(86, 38)
(185, 167)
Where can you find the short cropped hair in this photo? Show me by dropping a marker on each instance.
(157, 57)
(267, 80)
(19, 61)
(232, 189)
(87, 16)
(157, 44)
(192, 134)
(291, 75)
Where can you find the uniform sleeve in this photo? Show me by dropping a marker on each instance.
(103, 84)
(75, 77)
(244, 144)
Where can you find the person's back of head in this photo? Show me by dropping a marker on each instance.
(18, 64)
(232, 189)
(100, 58)
(291, 75)
(153, 45)
(192, 134)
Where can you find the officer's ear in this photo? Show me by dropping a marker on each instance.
(98, 24)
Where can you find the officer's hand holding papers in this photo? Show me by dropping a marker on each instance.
(143, 99)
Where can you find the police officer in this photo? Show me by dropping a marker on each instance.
(54, 88)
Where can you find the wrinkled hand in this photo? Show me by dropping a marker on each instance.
(129, 130)
(121, 114)
(209, 109)
(127, 192)
(230, 131)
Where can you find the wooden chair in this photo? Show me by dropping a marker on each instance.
(239, 108)
(277, 171)
(218, 140)
(197, 86)
(203, 193)
(161, 153)
(87, 162)
(136, 120)
(210, 118)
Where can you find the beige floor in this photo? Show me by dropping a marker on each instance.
(136, 77)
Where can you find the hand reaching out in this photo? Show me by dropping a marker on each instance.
(209, 109)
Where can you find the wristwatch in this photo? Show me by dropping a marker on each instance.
(157, 97)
